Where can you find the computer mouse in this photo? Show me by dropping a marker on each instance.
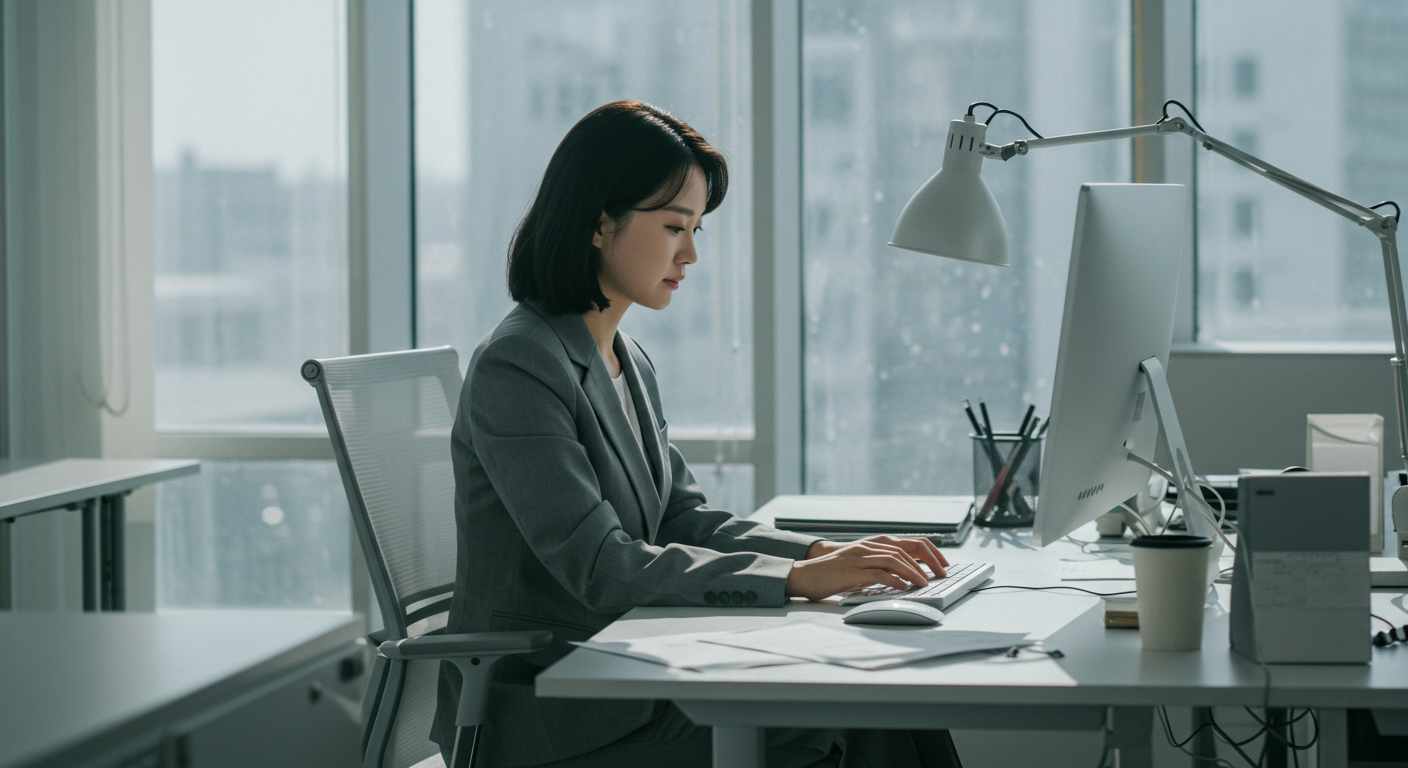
(894, 613)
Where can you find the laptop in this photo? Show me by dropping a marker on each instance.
(944, 520)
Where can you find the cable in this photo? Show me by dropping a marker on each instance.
(1180, 746)
(1196, 499)
(1186, 111)
(1288, 742)
(1014, 114)
(1133, 518)
(1386, 621)
(977, 104)
(1078, 589)
(1396, 211)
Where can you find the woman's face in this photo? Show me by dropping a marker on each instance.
(642, 261)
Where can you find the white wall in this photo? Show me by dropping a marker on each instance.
(79, 234)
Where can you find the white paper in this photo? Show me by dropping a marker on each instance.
(1309, 580)
(1097, 570)
(866, 647)
(687, 652)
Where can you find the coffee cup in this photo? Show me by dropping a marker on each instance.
(1170, 576)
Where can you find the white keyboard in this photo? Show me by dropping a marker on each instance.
(940, 593)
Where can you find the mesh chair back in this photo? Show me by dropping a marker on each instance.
(389, 416)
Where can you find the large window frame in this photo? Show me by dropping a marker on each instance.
(382, 241)
(382, 238)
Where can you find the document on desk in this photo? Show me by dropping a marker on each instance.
(866, 647)
(688, 651)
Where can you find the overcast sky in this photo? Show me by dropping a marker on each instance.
(263, 82)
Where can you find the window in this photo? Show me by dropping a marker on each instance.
(249, 145)
(1321, 90)
(895, 340)
(251, 262)
(498, 84)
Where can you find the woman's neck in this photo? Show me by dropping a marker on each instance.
(603, 327)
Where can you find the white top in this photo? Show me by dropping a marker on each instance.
(628, 404)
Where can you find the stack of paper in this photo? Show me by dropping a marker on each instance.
(689, 652)
(801, 641)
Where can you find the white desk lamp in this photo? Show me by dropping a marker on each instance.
(955, 215)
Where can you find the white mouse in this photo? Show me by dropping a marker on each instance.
(894, 612)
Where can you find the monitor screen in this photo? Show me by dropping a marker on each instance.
(1120, 301)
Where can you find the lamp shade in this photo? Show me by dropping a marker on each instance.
(954, 214)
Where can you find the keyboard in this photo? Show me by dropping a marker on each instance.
(940, 593)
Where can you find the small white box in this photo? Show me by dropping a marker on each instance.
(1350, 442)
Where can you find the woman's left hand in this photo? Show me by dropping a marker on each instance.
(916, 547)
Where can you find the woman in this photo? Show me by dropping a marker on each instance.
(572, 506)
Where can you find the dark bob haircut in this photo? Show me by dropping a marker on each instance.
(623, 157)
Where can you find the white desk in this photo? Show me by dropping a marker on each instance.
(81, 689)
(99, 488)
(1101, 668)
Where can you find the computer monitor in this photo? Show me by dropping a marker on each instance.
(1120, 302)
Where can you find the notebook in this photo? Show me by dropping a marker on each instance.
(944, 520)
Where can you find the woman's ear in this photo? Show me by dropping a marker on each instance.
(599, 236)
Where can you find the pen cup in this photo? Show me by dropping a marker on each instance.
(1014, 504)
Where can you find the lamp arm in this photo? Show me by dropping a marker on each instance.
(1383, 227)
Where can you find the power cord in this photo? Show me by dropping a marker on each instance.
(1397, 212)
(998, 111)
(1394, 634)
(1186, 111)
(1266, 732)
(1077, 589)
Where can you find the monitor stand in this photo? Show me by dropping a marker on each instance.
(1182, 469)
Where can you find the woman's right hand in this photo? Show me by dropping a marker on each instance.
(855, 566)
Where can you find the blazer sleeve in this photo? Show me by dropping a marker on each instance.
(522, 414)
(688, 519)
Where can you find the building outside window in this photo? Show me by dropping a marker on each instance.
(896, 340)
(1321, 90)
(250, 155)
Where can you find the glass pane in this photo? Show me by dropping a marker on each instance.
(726, 486)
(498, 84)
(895, 340)
(270, 534)
(1319, 89)
(249, 147)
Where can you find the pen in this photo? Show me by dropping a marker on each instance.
(1018, 500)
(1005, 477)
(968, 409)
(988, 447)
(992, 437)
(1022, 430)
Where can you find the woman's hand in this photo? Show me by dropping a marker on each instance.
(832, 567)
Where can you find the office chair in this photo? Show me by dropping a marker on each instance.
(389, 417)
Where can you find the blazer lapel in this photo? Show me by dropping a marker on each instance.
(655, 449)
(596, 382)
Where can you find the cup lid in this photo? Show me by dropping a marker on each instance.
(1171, 541)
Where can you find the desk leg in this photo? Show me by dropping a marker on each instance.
(92, 566)
(738, 747)
(1204, 746)
(114, 547)
(1334, 739)
(1133, 730)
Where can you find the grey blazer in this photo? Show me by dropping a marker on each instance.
(564, 525)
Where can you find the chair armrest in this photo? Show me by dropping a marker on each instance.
(467, 644)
